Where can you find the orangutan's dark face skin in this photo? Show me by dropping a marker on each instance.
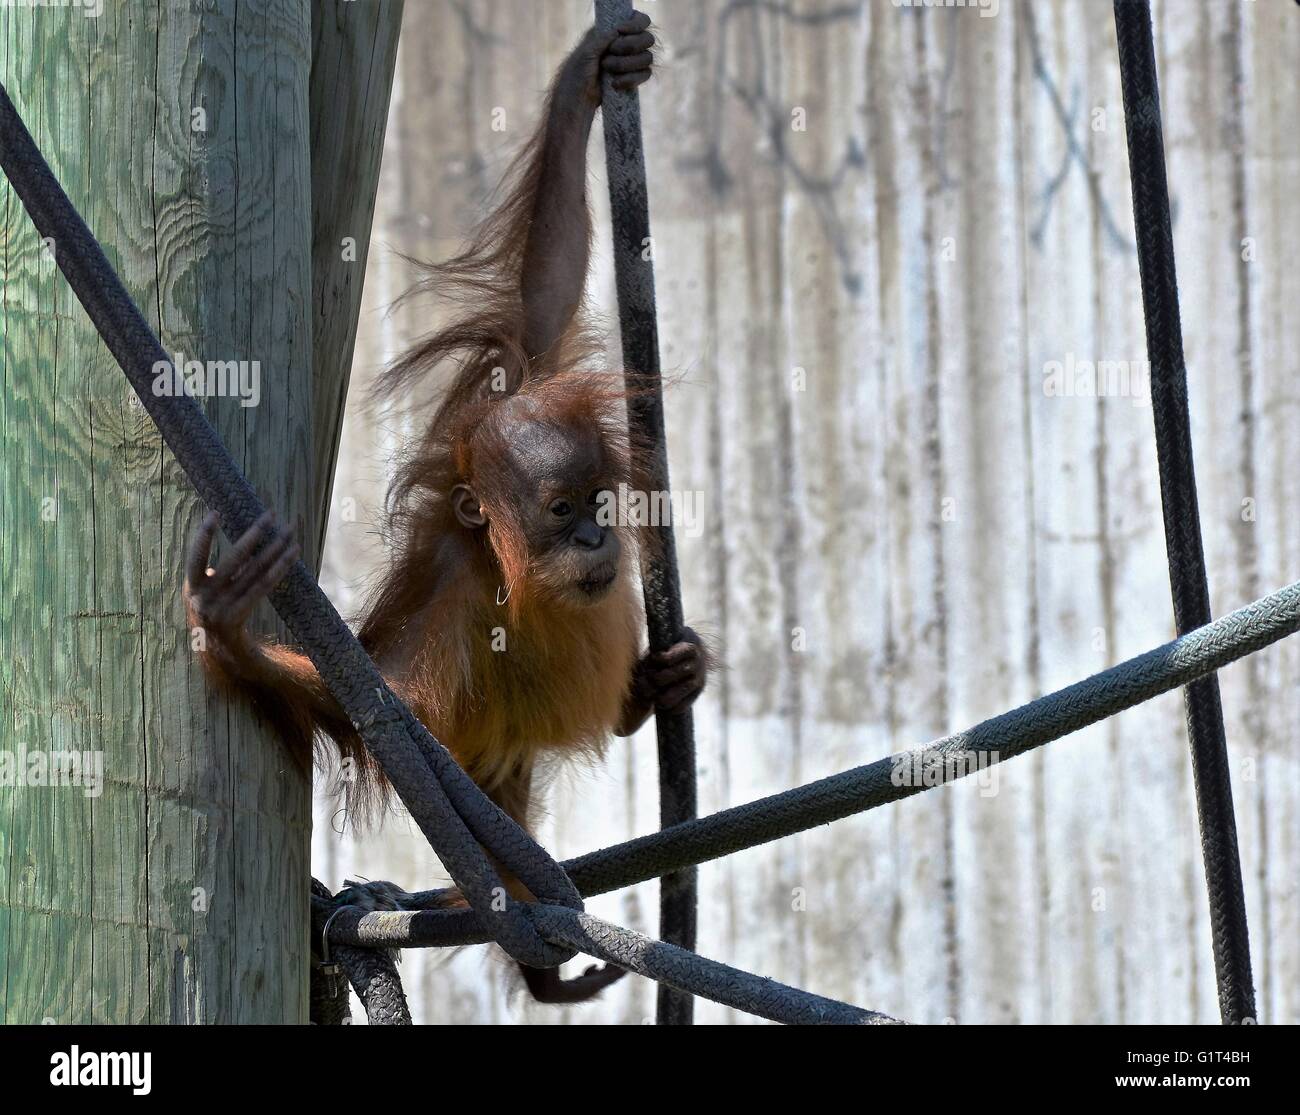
(556, 478)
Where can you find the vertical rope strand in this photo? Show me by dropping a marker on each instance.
(634, 275)
(1187, 578)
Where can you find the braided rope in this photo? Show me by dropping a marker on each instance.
(669, 964)
(1001, 737)
(692, 974)
(327, 994)
(1187, 577)
(635, 280)
(373, 976)
(372, 973)
(452, 812)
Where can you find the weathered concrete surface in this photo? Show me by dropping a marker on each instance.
(941, 536)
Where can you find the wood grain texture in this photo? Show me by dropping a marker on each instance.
(947, 538)
(179, 894)
(354, 52)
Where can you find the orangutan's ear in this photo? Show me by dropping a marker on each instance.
(469, 512)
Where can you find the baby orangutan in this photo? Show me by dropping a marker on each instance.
(508, 617)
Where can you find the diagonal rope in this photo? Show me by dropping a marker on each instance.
(455, 816)
(691, 974)
(1001, 737)
(457, 819)
(670, 965)
(635, 278)
(1187, 578)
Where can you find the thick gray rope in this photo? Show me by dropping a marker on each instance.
(454, 815)
(638, 325)
(327, 994)
(1182, 521)
(328, 1003)
(1001, 737)
(372, 973)
(387, 726)
(669, 964)
(373, 976)
(693, 974)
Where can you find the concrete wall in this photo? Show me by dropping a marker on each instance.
(904, 530)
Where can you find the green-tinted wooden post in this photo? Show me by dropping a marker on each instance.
(354, 56)
(178, 891)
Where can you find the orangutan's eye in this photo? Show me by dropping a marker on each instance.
(561, 509)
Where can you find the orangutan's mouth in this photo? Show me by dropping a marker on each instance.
(598, 580)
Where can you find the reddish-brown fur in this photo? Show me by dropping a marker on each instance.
(561, 680)
(489, 619)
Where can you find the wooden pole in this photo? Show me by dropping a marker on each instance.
(354, 56)
(175, 890)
